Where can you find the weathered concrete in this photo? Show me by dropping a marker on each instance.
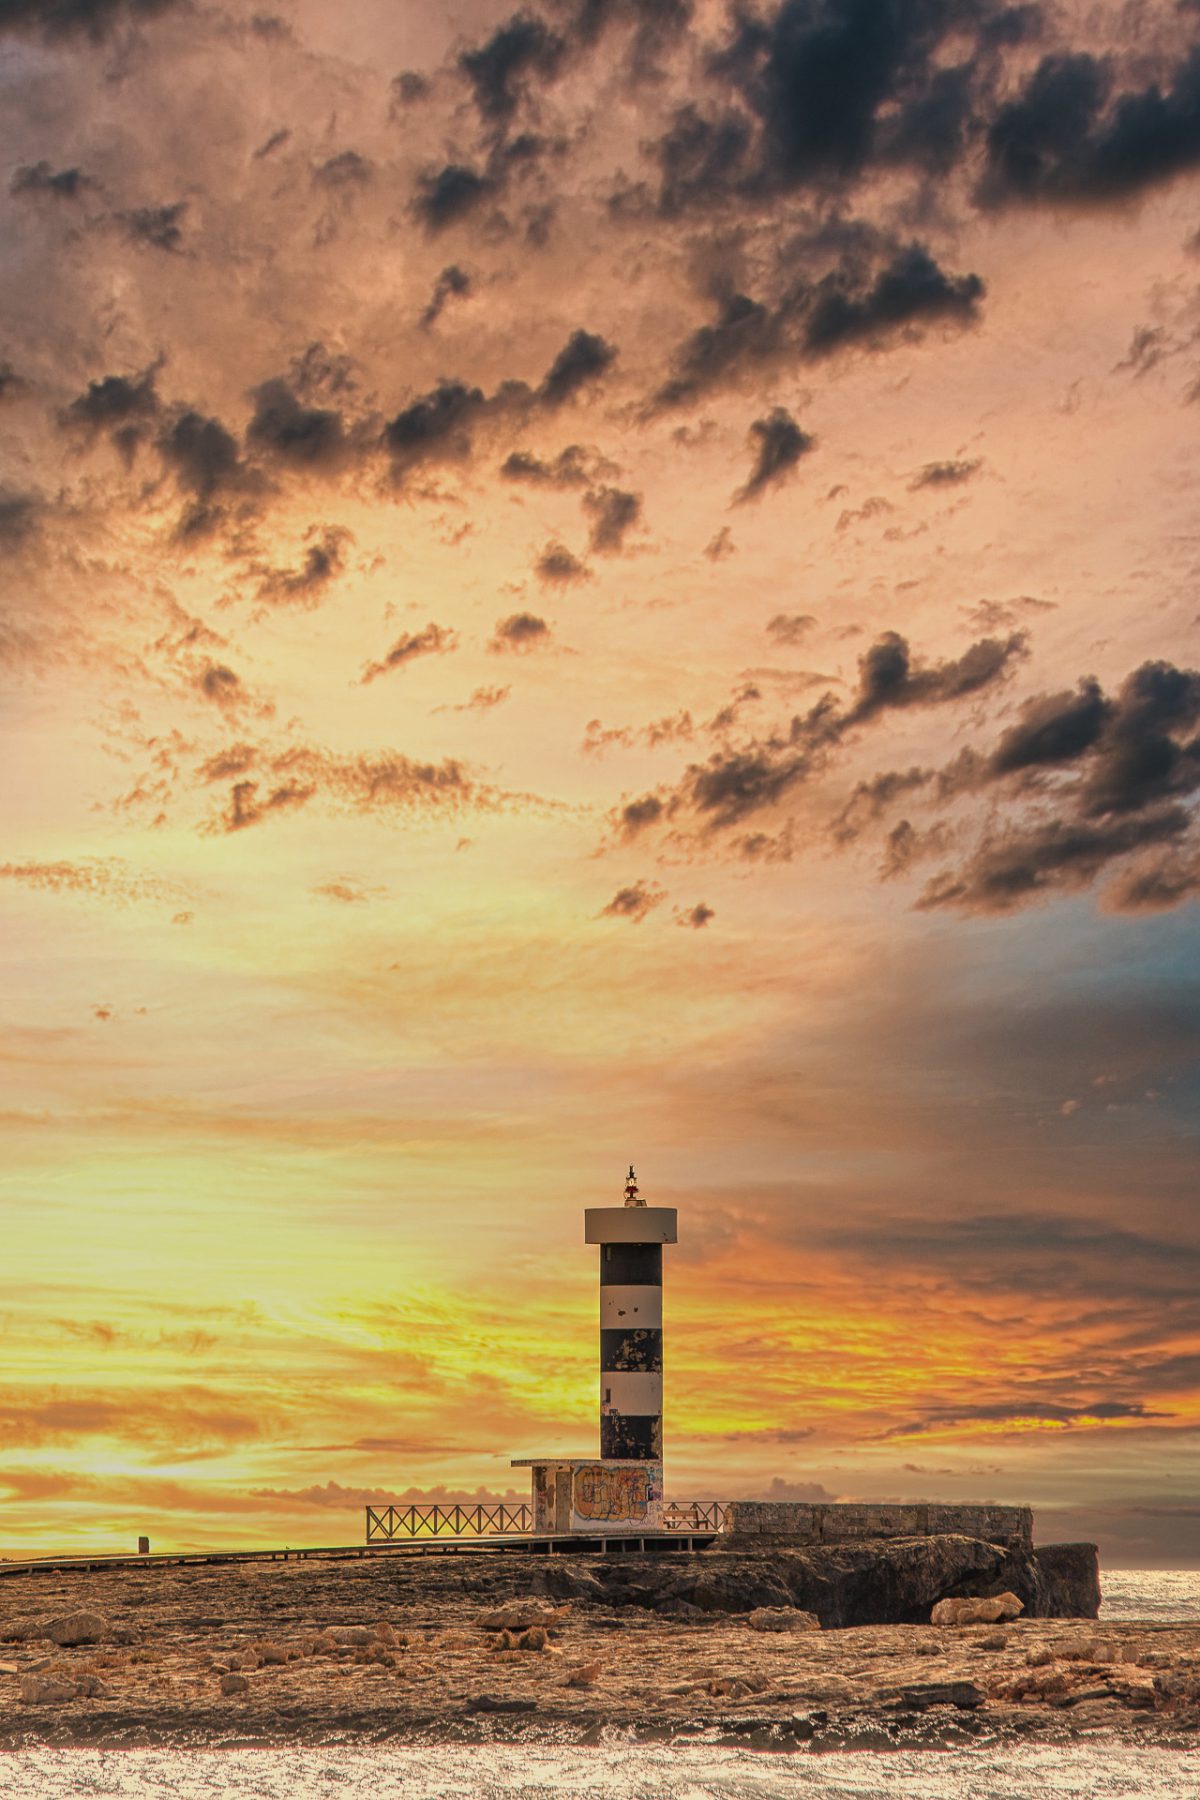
(802, 1523)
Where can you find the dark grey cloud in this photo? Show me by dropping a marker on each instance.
(452, 284)
(18, 518)
(613, 513)
(1109, 778)
(83, 18)
(283, 427)
(911, 291)
(635, 815)
(160, 227)
(1072, 136)
(944, 474)
(203, 455)
(408, 89)
(696, 917)
(305, 585)
(738, 781)
(435, 427)
(344, 171)
(779, 443)
(499, 70)
(1020, 1410)
(583, 359)
(123, 408)
(1013, 867)
(871, 799)
(519, 631)
(43, 178)
(560, 567)
(447, 194)
(433, 640)
(869, 297)
(572, 467)
(888, 677)
(1053, 729)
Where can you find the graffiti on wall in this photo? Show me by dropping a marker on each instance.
(612, 1494)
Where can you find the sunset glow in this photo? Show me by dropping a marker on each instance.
(552, 617)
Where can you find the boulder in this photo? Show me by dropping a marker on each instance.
(47, 1690)
(64, 1629)
(520, 1615)
(233, 1683)
(349, 1637)
(972, 1611)
(782, 1618)
(583, 1675)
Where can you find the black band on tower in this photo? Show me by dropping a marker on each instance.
(631, 1265)
(631, 1437)
(636, 1348)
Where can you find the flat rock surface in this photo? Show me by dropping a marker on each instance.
(423, 1666)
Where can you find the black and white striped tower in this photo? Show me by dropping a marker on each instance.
(631, 1239)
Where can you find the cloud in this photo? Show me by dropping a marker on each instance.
(435, 427)
(559, 567)
(1012, 867)
(323, 561)
(159, 227)
(344, 171)
(912, 290)
(1106, 776)
(1066, 138)
(870, 297)
(306, 437)
(583, 360)
(18, 518)
(368, 782)
(720, 546)
(696, 917)
(84, 18)
(347, 892)
(779, 444)
(121, 407)
(448, 194)
(42, 178)
(434, 640)
(572, 467)
(96, 877)
(740, 780)
(790, 628)
(519, 631)
(613, 513)
(633, 903)
(944, 474)
(483, 699)
(499, 69)
(452, 284)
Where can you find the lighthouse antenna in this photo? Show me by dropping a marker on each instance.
(632, 1197)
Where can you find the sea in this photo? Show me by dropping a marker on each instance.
(624, 1769)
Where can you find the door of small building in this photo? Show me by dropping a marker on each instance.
(562, 1500)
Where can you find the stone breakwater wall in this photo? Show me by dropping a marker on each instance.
(807, 1523)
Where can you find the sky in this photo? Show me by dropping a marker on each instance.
(614, 581)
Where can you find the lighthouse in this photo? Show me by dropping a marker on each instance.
(621, 1491)
(631, 1239)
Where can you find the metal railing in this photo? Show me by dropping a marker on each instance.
(387, 1524)
(693, 1515)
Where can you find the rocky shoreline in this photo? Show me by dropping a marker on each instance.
(422, 1649)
